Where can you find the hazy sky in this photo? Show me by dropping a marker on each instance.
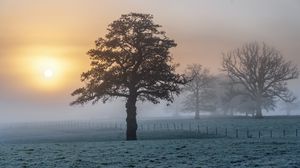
(38, 35)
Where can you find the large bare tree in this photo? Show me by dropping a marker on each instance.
(200, 96)
(132, 61)
(263, 71)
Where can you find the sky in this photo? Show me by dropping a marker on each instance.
(43, 45)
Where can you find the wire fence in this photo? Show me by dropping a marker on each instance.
(182, 129)
(197, 129)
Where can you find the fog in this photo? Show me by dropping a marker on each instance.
(202, 29)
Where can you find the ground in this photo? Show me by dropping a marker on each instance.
(218, 152)
(157, 148)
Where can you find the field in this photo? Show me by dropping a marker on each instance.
(270, 142)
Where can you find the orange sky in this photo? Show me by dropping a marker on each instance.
(34, 33)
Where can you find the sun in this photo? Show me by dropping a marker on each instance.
(48, 73)
(45, 69)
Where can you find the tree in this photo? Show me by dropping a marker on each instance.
(200, 96)
(133, 62)
(229, 98)
(288, 107)
(246, 105)
(234, 97)
(264, 73)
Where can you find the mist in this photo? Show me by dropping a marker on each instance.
(202, 29)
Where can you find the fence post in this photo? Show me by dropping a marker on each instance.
(174, 126)
(236, 133)
(247, 133)
(226, 132)
(181, 126)
(216, 130)
(283, 133)
(259, 134)
(167, 126)
(271, 134)
(207, 130)
(198, 128)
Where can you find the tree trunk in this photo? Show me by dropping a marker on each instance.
(258, 113)
(288, 112)
(131, 118)
(197, 115)
(231, 112)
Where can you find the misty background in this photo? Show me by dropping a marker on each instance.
(202, 29)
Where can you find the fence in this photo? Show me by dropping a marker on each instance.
(220, 132)
(180, 128)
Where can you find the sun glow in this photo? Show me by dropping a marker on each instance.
(45, 68)
(48, 73)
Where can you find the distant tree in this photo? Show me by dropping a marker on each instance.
(200, 96)
(133, 62)
(245, 105)
(264, 73)
(229, 101)
(220, 86)
(288, 107)
(234, 98)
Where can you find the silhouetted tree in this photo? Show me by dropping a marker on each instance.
(264, 73)
(132, 61)
(200, 95)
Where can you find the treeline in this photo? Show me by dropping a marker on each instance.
(254, 79)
